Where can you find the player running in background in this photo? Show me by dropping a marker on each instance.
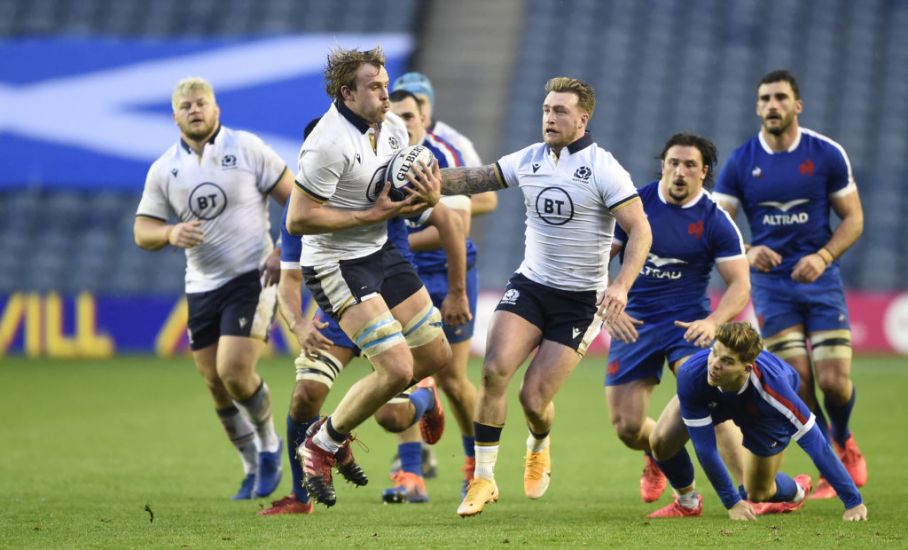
(736, 380)
(668, 315)
(787, 178)
(215, 181)
(355, 275)
(574, 191)
(446, 281)
(420, 85)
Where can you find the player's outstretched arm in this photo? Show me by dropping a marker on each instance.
(703, 439)
(736, 274)
(467, 181)
(830, 466)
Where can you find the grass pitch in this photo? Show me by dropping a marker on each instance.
(129, 454)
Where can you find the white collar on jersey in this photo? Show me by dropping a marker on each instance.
(688, 204)
(765, 146)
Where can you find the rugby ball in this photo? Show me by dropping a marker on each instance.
(400, 165)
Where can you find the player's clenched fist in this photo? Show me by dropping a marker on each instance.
(186, 234)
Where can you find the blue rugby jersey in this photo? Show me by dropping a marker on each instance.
(785, 195)
(435, 261)
(687, 241)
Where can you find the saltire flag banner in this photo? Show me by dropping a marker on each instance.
(95, 112)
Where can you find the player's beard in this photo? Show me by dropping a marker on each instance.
(783, 126)
(377, 116)
(200, 132)
(679, 195)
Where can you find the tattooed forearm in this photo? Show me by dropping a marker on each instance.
(466, 181)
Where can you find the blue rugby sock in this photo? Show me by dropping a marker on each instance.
(786, 488)
(423, 399)
(678, 469)
(296, 434)
(468, 445)
(839, 416)
(410, 457)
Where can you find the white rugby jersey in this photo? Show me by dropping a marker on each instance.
(460, 142)
(227, 191)
(569, 205)
(339, 167)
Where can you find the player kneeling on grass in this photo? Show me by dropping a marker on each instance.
(737, 380)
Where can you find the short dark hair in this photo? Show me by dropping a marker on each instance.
(400, 95)
(707, 149)
(782, 75)
(741, 338)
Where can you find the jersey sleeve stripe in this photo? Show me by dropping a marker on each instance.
(623, 202)
(728, 198)
(721, 259)
(777, 401)
(847, 190)
(806, 428)
(150, 217)
(722, 197)
(290, 266)
(838, 147)
(697, 422)
(277, 181)
(500, 175)
(311, 194)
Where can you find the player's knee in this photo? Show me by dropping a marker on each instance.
(425, 327)
(495, 374)
(628, 428)
(395, 417)
(533, 403)
(307, 399)
(834, 383)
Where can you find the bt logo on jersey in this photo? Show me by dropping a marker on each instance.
(554, 206)
(207, 201)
